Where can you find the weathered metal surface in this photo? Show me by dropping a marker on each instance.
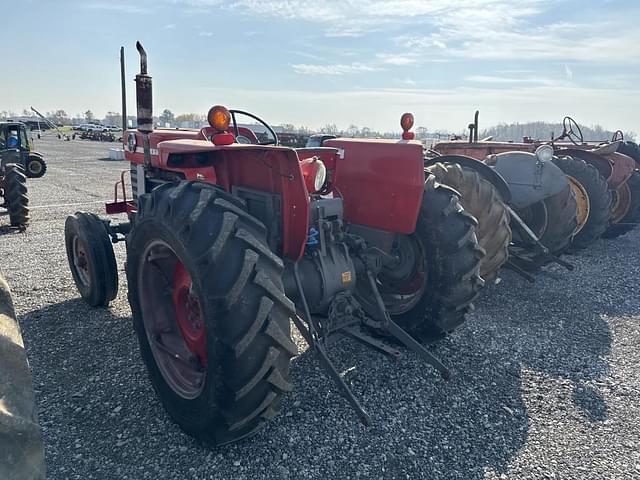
(622, 168)
(621, 202)
(529, 179)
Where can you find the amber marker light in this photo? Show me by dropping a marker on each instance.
(219, 118)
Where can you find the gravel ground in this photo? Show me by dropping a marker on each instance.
(546, 376)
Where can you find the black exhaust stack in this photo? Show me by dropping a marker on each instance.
(144, 104)
(123, 87)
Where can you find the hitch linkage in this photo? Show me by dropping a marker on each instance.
(346, 319)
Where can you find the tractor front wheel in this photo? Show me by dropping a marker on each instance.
(209, 311)
(15, 196)
(91, 258)
(432, 289)
(587, 178)
(481, 199)
(36, 167)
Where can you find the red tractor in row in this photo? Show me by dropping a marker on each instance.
(230, 238)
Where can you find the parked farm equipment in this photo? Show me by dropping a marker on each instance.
(13, 188)
(14, 143)
(229, 238)
(600, 175)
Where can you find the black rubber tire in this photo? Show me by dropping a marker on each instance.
(481, 199)
(102, 284)
(631, 149)
(561, 221)
(16, 197)
(447, 236)
(36, 166)
(632, 218)
(599, 199)
(247, 316)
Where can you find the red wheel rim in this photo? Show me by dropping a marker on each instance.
(173, 319)
(189, 314)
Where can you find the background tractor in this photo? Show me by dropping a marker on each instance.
(15, 148)
(229, 238)
(600, 175)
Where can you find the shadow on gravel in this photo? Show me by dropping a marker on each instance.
(100, 414)
(9, 230)
(561, 334)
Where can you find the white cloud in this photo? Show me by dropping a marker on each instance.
(334, 70)
(170, 26)
(205, 34)
(568, 72)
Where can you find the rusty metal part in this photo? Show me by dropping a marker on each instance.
(621, 202)
(622, 168)
(582, 201)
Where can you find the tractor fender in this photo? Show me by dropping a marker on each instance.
(36, 154)
(484, 170)
(604, 166)
(530, 180)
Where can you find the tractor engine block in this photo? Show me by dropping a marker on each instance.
(326, 268)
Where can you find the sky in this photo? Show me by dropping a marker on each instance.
(316, 62)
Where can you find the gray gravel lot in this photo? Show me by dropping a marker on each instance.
(546, 376)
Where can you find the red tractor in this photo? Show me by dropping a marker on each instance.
(230, 238)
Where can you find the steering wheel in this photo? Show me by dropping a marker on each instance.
(272, 141)
(572, 131)
(617, 136)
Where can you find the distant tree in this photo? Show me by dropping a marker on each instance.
(352, 131)
(365, 132)
(330, 128)
(113, 118)
(288, 127)
(190, 117)
(60, 116)
(27, 113)
(167, 117)
(88, 116)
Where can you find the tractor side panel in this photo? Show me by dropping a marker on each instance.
(381, 182)
(273, 170)
(481, 150)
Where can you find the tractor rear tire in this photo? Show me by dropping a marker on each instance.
(599, 199)
(561, 221)
(632, 218)
(91, 258)
(242, 313)
(15, 195)
(20, 435)
(36, 167)
(481, 199)
(445, 234)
